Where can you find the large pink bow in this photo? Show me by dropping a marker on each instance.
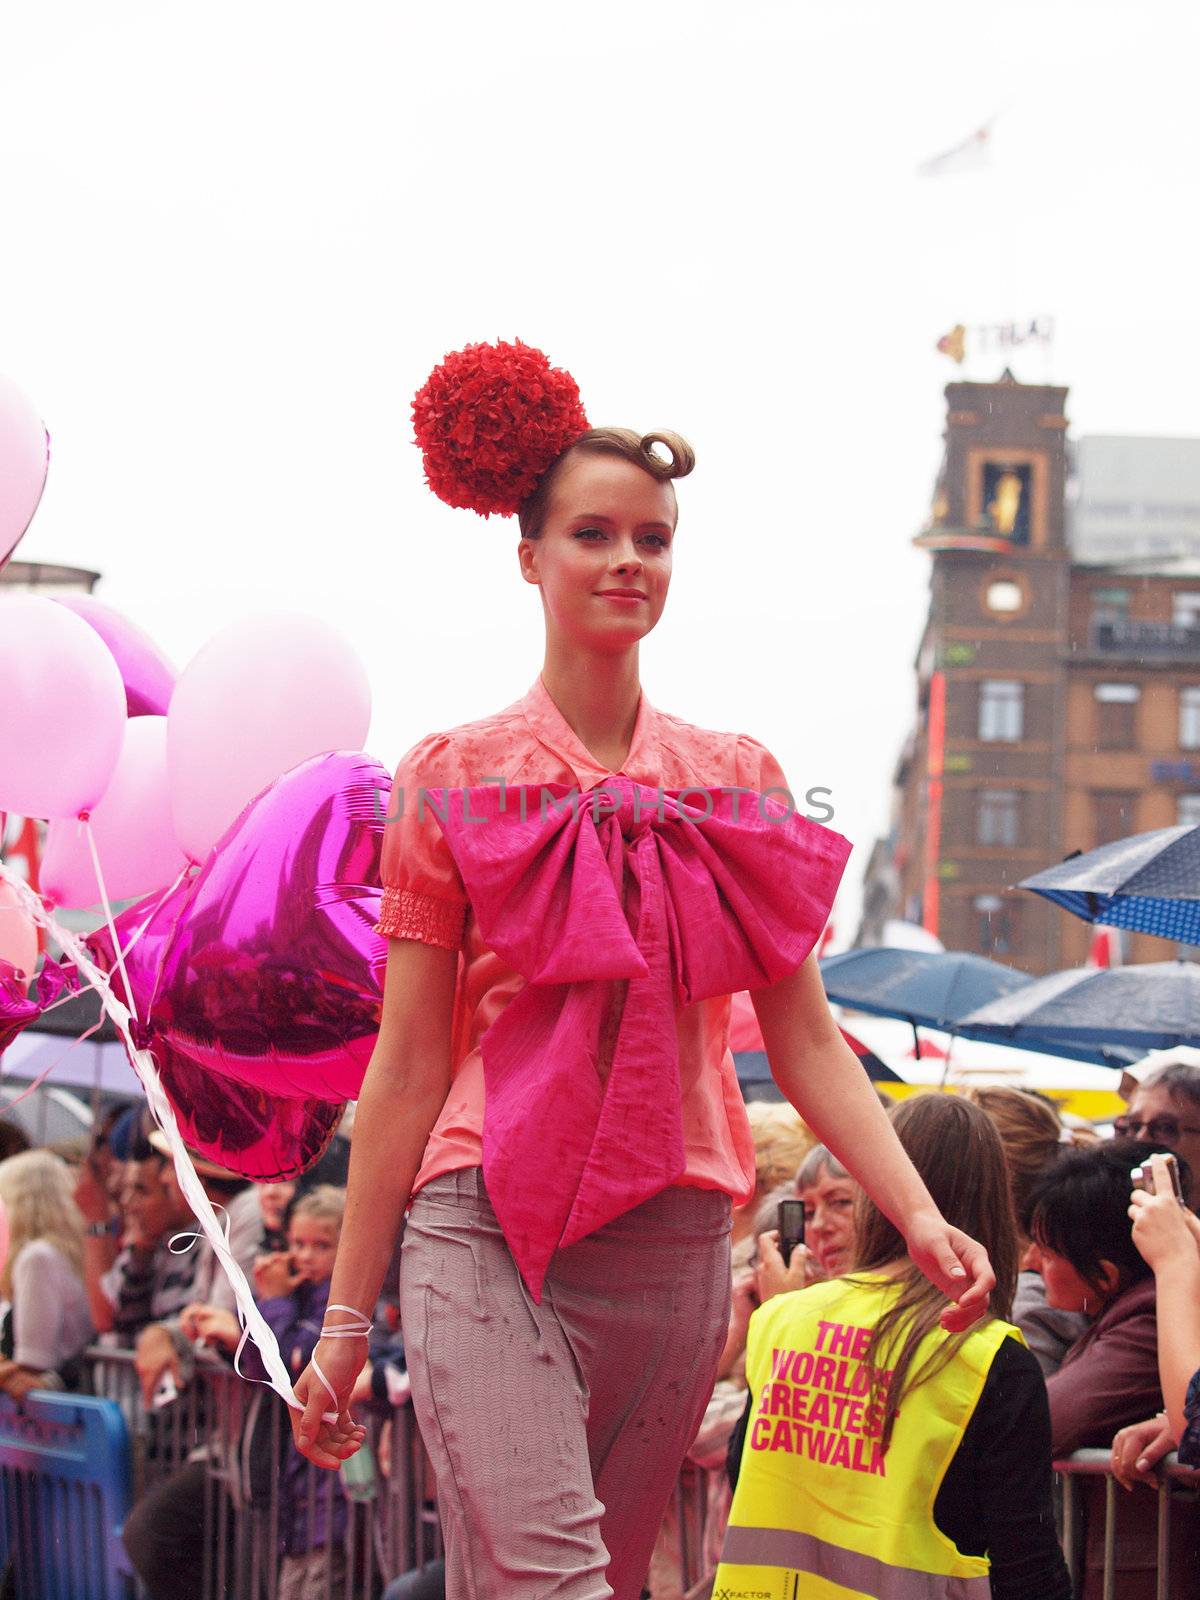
(686, 894)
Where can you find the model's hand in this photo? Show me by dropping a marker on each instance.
(773, 1277)
(956, 1264)
(1163, 1230)
(328, 1444)
(1138, 1449)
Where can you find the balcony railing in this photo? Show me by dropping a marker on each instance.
(1160, 641)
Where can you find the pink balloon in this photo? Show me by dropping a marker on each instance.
(18, 933)
(148, 676)
(62, 710)
(259, 981)
(24, 461)
(131, 825)
(260, 697)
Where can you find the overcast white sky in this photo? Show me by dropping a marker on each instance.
(237, 236)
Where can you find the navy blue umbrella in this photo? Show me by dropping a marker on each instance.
(1111, 1010)
(756, 1083)
(927, 988)
(1150, 882)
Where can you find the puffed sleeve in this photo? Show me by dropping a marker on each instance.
(423, 894)
(759, 770)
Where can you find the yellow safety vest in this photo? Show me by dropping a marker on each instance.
(819, 1511)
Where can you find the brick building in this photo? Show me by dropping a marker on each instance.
(1058, 675)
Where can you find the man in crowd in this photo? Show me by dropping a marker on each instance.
(135, 1279)
(1164, 1110)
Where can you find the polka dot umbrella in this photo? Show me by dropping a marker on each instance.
(1149, 882)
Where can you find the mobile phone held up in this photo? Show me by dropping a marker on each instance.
(1143, 1177)
(791, 1228)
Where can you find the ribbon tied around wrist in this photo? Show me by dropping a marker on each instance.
(681, 895)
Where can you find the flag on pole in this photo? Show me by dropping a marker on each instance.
(954, 343)
(1105, 948)
(971, 154)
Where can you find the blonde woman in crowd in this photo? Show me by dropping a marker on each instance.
(48, 1323)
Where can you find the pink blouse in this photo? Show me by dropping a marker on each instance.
(531, 743)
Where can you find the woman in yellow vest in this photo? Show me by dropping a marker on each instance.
(882, 1456)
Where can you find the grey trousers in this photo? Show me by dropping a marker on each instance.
(557, 1430)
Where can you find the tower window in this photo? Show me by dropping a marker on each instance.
(1004, 597)
(1189, 717)
(1006, 499)
(997, 820)
(1116, 713)
(1001, 709)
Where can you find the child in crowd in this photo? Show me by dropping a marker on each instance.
(293, 1291)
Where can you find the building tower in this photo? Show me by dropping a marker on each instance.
(979, 793)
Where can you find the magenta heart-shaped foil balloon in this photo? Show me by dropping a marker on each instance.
(259, 981)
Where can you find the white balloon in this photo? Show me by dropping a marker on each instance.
(261, 696)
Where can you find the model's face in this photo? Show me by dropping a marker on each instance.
(603, 562)
(1166, 1121)
(829, 1222)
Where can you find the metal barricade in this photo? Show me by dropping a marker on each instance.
(240, 1431)
(1176, 1485)
(64, 1494)
(390, 1524)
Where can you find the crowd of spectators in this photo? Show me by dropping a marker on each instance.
(1085, 1300)
(104, 1250)
(103, 1246)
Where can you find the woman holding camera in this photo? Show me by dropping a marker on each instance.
(1168, 1236)
(1078, 1218)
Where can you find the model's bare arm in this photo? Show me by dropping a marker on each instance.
(403, 1091)
(823, 1078)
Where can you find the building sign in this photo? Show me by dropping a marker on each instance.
(1174, 772)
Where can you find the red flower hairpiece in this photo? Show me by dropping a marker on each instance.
(490, 420)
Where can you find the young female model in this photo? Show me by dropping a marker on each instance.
(569, 904)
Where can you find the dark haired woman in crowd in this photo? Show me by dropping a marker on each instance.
(565, 1283)
(1084, 1248)
(882, 1455)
